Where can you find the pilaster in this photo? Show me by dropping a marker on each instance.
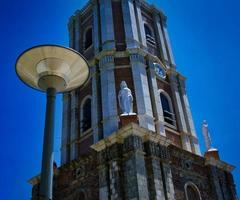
(160, 37)
(168, 44)
(107, 28)
(65, 127)
(179, 110)
(135, 180)
(95, 104)
(155, 153)
(71, 33)
(73, 136)
(156, 101)
(77, 29)
(140, 24)
(144, 106)
(109, 101)
(103, 173)
(96, 28)
(130, 24)
(170, 193)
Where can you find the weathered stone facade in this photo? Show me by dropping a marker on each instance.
(135, 163)
(153, 154)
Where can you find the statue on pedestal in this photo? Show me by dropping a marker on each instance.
(125, 99)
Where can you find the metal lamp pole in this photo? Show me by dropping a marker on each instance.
(47, 159)
(52, 69)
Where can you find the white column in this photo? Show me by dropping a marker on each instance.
(65, 128)
(73, 137)
(160, 37)
(156, 101)
(95, 109)
(179, 111)
(168, 45)
(107, 28)
(96, 31)
(109, 100)
(188, 117)
(130, 24)
(144, 106)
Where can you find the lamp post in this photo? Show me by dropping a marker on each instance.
(52, 69)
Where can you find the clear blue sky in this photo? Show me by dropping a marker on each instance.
(205, 39)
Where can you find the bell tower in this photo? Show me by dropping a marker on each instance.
(125, 41)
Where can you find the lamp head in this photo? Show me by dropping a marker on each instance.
(52, 66)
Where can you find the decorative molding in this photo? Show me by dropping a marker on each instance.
(130, 130)
(219, 164)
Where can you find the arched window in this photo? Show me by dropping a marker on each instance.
(167, 108)
(86, 114)
(149, 35)
(88, 38)
(192, 192)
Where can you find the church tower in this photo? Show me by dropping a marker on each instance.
(125, 41)
(151, 152)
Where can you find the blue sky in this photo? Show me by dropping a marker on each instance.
(205, 40)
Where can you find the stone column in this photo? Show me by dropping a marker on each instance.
(142, 93)
(95, 105)
(107, 28)
(109, 100)
(188, 116)
(73, 137)
(65, 128)
(168, 181)
(156, 101)
(130, 24)
(155, 176)
(135, 180)
(160, 37)
(168, 45)
(179, 110)
(96, 29)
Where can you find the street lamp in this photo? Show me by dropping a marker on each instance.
(51, 69)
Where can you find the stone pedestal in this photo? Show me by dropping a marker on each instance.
(126, 119)
(212, 153)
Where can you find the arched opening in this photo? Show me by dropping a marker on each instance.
(167, 108)
(88, 41)
(192, 192)
(86, 115)
(149, 34)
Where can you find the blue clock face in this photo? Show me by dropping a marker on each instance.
(160, 71)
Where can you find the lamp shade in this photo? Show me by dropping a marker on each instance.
(52, 66)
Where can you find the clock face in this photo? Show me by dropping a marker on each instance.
(160, 71)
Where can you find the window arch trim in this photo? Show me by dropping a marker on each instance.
(191, 184)
(84, 37)
(81, 113)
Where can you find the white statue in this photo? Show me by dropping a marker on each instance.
(125, 98)
(206, 135)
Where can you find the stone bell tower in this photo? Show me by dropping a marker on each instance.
(150, 151)
(125, 41)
